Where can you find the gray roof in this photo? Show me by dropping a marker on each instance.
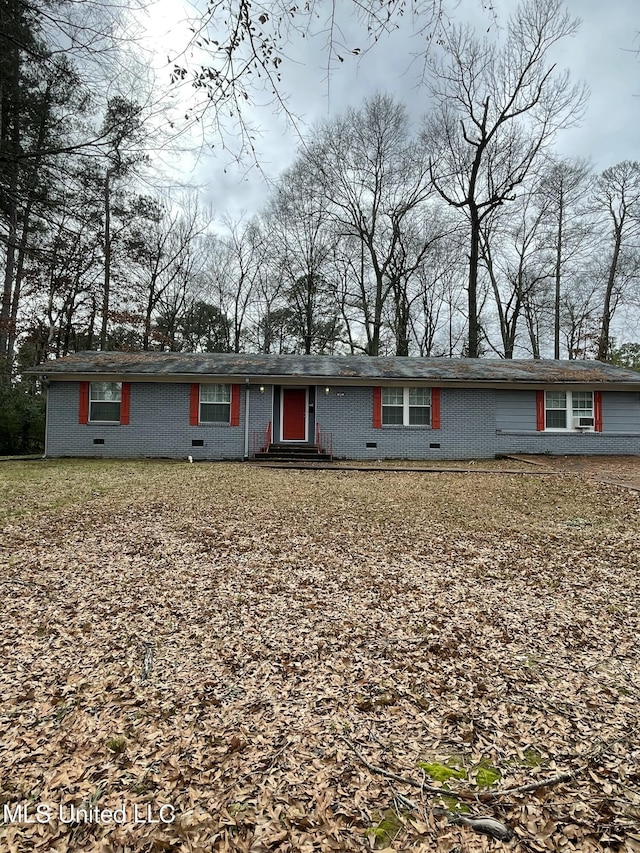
(347, 369)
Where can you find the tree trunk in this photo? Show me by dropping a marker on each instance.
(107, 259)
(15, 300)
(603, 342)
(9, 270)
(148, 314)
(10, 256)
(532, 331)
(308, 319)
(31, 187)
(473, 347)
(91, 325)
(558, 276)
(374, 343)
(401, 320)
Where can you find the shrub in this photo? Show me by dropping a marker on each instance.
(22, 419)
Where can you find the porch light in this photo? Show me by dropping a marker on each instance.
(327, 390)
(262, 389)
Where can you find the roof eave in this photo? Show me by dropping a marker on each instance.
(267, 379)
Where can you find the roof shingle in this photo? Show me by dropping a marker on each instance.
(347, 368)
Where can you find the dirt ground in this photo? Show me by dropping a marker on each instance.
(223, 658)
(622, 470)
(614, 470)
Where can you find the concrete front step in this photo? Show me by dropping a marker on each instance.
(293, 452)
(292, 448)
(292, 457)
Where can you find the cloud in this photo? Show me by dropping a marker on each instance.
(314, 89)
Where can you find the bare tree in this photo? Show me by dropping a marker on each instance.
(347, 272)
(160, 248)
(617, 195)
(567, 226)
(579, 316)
(414, 273)
(436, 316)
(298, 224)
(239, 49)
(513, 257)
(372, 175)
(233, 269)
(496, 108)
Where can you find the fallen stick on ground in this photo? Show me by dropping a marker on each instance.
(147, 661)
(549, 782)
(467, 796)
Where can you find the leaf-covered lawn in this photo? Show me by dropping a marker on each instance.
(253, 647)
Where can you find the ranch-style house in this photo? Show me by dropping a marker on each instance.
(240, 406)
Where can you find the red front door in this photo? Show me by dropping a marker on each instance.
(294, 411)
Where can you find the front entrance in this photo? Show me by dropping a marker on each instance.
(294, 414)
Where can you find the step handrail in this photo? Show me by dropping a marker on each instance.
(324, 441)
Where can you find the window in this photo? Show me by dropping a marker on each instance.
(582, 408)
(215, 404)
(392, 406)
(104, 401)
(556, 410)
(572, 410)
(406, 406)
(419, 406)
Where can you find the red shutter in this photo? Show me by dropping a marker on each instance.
(125, 396)
(194, 404)
(83, 409)
(235, 406)
(597, 411)
(435, 408)
(377, 408)
(540, 411)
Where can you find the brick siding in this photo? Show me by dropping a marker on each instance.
(475, 423)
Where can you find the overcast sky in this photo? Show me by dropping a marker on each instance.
(602, 54)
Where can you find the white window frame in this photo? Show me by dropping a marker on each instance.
(571, 413)
(93, 387)
(406, 407)
(201, 402)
